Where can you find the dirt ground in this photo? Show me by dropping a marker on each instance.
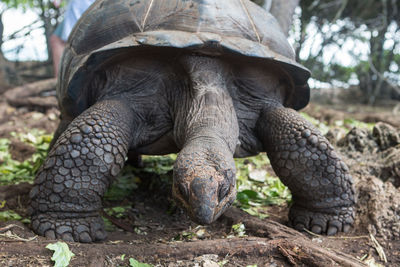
(158, 233)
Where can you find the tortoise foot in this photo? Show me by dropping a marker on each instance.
(83, 229)
(327, 221)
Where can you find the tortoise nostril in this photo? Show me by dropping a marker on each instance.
(183, 191)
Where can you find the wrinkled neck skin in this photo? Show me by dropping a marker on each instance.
(206, 129)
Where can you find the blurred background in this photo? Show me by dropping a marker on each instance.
(348, 45)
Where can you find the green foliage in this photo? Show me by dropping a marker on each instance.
(347, 124)
(222, 263)
(9, 215)
(135, 263)
(256, 187)
(350, 123)
(239, 229)
(29, 4)
(19, 3)
(184, 236)
(339, 24)
(108, 225)
(13, 171)
(117, 212)
(199, 232)
(62, 255)
(123, 186)
(321, 126)
(160, 165)
(130, 177)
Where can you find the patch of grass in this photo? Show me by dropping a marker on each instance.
(346, 124)
(350, 123)
(13, 171)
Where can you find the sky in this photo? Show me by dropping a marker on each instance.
(33, 45)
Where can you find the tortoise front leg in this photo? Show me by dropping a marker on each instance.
(62, 126)
(320, 182)
(66, 197)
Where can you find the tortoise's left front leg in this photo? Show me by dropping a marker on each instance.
(66, 199)
(320, 182)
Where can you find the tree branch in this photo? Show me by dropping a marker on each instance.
(382, 77)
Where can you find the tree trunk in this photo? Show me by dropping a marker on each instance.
(283, 11)
(1, 32)
(40, 94)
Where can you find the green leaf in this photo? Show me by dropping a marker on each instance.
(250, 193)
(239, 229)
(242, 198)
(62, 255)
(9, 215)
(13, 171)
(117, 212)
(135, 263)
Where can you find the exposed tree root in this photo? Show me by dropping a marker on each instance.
(297, 251)
(33, 95)
(293, 245)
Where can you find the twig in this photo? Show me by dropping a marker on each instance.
(286, 254)
(30, 27)
(376, 72)
(341, 9)
(8, 227)
(378, 248)
(118, 223)
(336, 237)
(14, 236)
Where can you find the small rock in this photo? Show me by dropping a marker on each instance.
(385, 135)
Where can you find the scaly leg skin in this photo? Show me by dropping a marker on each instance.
(66, 197)
(62, 126)
(320, 182)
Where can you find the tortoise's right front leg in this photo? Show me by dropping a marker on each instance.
(66, 197)
(320, 182)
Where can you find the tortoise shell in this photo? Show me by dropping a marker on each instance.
(115, 28)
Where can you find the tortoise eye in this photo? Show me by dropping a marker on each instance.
(183, 191)
(223, 191)
(230, 176)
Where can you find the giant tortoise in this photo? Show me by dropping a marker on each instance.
(208, 79)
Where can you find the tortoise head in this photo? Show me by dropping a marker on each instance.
(204, 184)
